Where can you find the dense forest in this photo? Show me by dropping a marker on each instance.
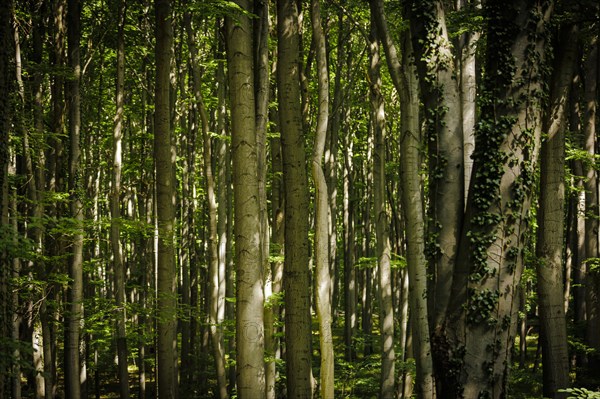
(299, 199)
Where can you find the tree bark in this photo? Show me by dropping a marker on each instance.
(164, 158)
(386, 310)
(467, 48)
(75, 291)
(441, 96)
(115, 223)
(5, 124)
(296, 272)
(551, 217)
(404, 79)
(482, 313)
(323, 277)
(249, 277)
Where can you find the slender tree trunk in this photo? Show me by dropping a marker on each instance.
(404, 79)
(592, 212)
(323, 277)
(551, 215)
(331, 160)
(249, 277)
(467, 48)
(213, 243)
(115, 225)
(164, 158)
(349, 282)
(262, 90)
(412, 204)
(296, 273)
(5, 121)
(386, 310)
(440, 91)
(75, 291)
(223, 198)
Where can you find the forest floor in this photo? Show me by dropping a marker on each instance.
(356, 379)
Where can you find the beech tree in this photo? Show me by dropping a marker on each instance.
(164, 158)
(249, 267)
(296, 273)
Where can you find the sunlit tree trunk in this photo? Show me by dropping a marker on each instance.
(164, 158)
(75, 291)
(262, 94)
(467, 49)
(223, 197)
(249, 276)
(296, 272)
(484, 303)
(39, 10)
(551, 221)
(115, 223)
(386, 310)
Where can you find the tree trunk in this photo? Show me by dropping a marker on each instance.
(215, 277)
(296, 273)
(249, 277)
(467, 48)
(323, 277)
(164, 158)
(404, 79)
(5, 124)
(592, 212)
(75, 291)
(484, 303)
(386, 310)
(115, 223)
(262, 91)
(225, 309)
(439, 88)
(551, 215)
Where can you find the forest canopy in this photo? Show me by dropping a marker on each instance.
(264, 199)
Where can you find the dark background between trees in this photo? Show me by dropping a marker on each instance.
(299, 199)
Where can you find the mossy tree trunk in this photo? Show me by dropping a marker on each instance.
(476, 343)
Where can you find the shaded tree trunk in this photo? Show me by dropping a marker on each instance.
(164, 158)
(592, 212)
(75, 291)
(404, 79)
(551, 217)
(441, 97)
(386, 310)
